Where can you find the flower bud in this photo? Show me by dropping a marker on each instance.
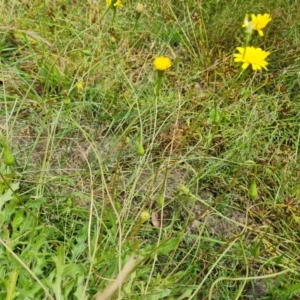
(140, 150)
(252, 192)
(255, 251)
(139, 8)
(215, 116)
(248, 25)
(160, 200)
(9, 160)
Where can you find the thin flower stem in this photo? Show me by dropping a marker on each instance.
(114, 15)
(160, 75)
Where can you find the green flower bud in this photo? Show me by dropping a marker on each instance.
(255, 251)
(215, 116)
(118, 205)
(160, 200)
(9, 160)
(140, 150)
(70, 202)
(252, 192)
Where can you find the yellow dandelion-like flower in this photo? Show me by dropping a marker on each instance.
(79, 86)
(144, 216)
(252, 56)
(184, 189)
(259, 22)
(115, 3)
(118, 3)
(162, 63)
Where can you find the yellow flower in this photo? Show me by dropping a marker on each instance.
(115, 3)
(79, 85)
(162, 63)
(144, 216)
(259, 22)
(184, 189)
(118, 3)
(252, 56)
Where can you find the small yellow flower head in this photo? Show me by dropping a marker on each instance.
(184, 189)
(162, 63)
(259, 22)
(252, 56)
(145, 216)
(114, 2)
(79, 85)
(118, 3)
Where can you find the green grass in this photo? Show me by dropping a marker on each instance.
(70, 206)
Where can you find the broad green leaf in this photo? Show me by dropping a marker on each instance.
(8, 194)
(167, 246)
(72, 270)
(18, 218)
(160, 295)
(187, 293)
(79, 293)
(11, 284)
(35, 203)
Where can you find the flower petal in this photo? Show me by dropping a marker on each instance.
(245, 65)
